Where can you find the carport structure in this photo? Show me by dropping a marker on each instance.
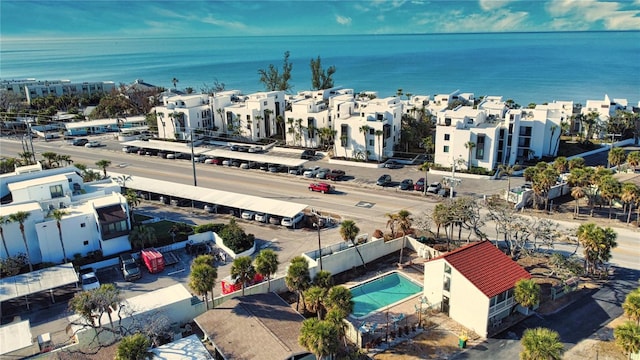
(37, 281)
(292, 162)
(217, 197)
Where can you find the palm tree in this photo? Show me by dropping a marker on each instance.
(141, 235)
(202, 278)
(132, 200)
(631, 305)
(20, 217)
(425, 167)
(469, 145)
(57, 215)
(597, 243)
(175, 82)
(266, 264)
(314, 297)
(404, 221)
(560, 164)
(339, 298)
(616, 156)
(577, 192)
(506, 169)
(242, 271)
(320, 337)
(634, 159)
(103, 164)
(122, 180)
(541, 343)
(280, 125)
(298, 278)
(349, 231)
(4, 220)
(66, 158)
(630, 194)
(627, 337)
(527, 293)
(51, 158)
(26, 157)
(609, 190)
(364, 129)
(378, 134)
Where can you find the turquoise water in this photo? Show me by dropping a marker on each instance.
(381, 292)
(525, 67)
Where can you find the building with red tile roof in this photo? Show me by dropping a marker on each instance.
(473, 285)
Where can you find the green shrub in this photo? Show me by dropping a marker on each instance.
(216, 228)
(234, 237)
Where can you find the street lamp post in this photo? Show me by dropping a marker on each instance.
(193, 161)
(317, 225)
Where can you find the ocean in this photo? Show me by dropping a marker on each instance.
(525, 67)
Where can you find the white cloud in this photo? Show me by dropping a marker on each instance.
(488, 5)
(498, 21)
(594, 11)
(343, 20)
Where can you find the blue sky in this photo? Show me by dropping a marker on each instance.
(145, 18)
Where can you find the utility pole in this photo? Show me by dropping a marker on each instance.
(193, 161)
(317, 224)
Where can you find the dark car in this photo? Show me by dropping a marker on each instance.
(308, 154)
(243, 148)
(446, 192)
(80, 142)
(384, 180)
(419, 185)
(406, 184)
(234, 147)
(392, 164)
(335, 174)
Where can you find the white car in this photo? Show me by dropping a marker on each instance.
(90, 281)
(92, 144)
(261, 217)
(292, 221)
(311, 173)
(256, 149)
(248, 214)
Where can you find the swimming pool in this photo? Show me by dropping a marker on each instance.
(385, 290)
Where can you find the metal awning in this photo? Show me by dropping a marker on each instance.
(166, 146)
(212, 196)
(37, 281)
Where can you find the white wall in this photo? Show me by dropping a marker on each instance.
(468, 305)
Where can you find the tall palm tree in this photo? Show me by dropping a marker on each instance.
(425, 167)
(378, 134)
(266, 264)
(404, 222)
(631, 305)
(597, 243)
(122, 180)
(633, 159)
(175, 82)
(314, 298)
(142, 235)
(630, 194)
(616, 157)
(3, 221)
(349, 231)
(541, 343)
(202, 279)
(57, 215)
(577, 192)
(469, 145)
(51, 158)
(364, 129)
(320, 337)
(103, 164)
(243, 271)
(508, 170)
(609, 190)
(20, 217)
(298, 278)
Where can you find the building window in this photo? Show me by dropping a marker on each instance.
(344, 135)
(83, 225)
(447, 137)
(447, 268)
(446, 148)
(372, 131)
(371, 143)
(447, 283)
(85, 243)
(480, 147)
(56, 191)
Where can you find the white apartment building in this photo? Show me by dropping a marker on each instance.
(605, 108)
(493, 134)
(30, 89)
(96, 215)
(251, 116)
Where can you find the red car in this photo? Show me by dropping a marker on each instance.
(321, 187)
(335, 174)
(419, 185)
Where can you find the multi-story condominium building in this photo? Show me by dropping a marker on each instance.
(95, 215)
(251, 116)
(367, 128)
(30, 89)
(494, 134)
(180, 115)
(605, 109)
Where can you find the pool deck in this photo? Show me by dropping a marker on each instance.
(434, 319)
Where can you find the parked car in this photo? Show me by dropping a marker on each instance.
(406, 184)
(321, 187)
(129, 267)
(274, 168)
(214, 161)
(261, 217)
(275, 220)
(292, 221)
(434, 187)
(297, 171)
(419, 185)
(92, 144)
(256, 149)
(335, 174)
(322, 173)
(211, 208)
(308, 154)
(234, 147)
(384, 180)
(82, 142)
(89, 281)
(128, 149)
(446, 192)
(226, 162)
(264, 167)
(312, 172)
(392, 164)
(248, 214)
(243, 148)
